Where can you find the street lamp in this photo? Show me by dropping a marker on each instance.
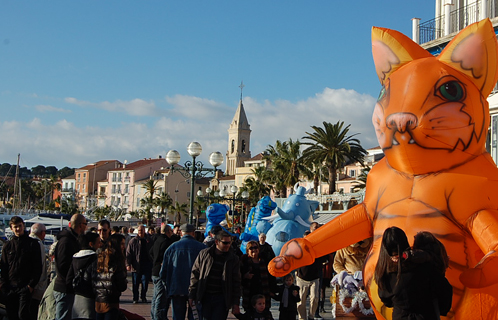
(193, 169)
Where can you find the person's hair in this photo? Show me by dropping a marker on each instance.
(222, 234)
(111, 255)
(427, 242)
(255, 299)
(314, 226)
(251, 243)
(86, 238)
(93, 229)
(262, 234)
(15, 220)
(307, 232)
(37, 228)
(105, 221)
(157, 229)
(394, 240)
(115, 229)
(165, 228)
(289, 276)
(215, 229)
(124, 229)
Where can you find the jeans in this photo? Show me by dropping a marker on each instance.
(213, 307)
(137, 278)
(18, 304)
(160, 300)
(313, 288)
(63, 305)
(180, 305)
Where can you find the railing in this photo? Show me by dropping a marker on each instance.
(459, 19)
(68, 190)
(431, 30)
(116, 179)
(463, 17)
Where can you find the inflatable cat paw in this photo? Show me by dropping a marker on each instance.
(431, 120)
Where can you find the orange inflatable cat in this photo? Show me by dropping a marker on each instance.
(431, 120)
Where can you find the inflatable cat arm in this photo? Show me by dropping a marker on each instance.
(431, 120)
(255, 223)
(292, 220)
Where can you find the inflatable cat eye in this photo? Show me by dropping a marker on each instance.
(431, 120)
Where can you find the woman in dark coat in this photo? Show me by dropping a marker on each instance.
(255, 276)
(108, 274)
(407, 284)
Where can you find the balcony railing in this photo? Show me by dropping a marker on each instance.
(431, 30)
(67, 189)
(459, 19)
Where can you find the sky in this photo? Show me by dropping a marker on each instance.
(82, 81)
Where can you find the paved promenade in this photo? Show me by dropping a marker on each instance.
(143, 309)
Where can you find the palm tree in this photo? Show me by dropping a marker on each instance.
(177, 209)
(333, 146)
(287, 164)
(200, 204)
(150, 187)
(362, 178)
(257, 185)
(163, 202)
(316, 172)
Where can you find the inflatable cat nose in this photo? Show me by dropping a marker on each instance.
(402, 121)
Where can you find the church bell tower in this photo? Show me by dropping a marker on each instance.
(239, 137)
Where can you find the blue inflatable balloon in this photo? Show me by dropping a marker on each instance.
(255, 223)
(294, 219)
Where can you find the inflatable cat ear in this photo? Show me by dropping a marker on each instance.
(474, 52)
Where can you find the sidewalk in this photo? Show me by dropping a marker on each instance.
(143, 309)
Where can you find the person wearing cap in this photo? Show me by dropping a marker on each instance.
(176, 268)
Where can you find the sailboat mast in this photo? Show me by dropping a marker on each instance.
(16, 190)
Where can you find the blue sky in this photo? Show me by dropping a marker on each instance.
(83, 81)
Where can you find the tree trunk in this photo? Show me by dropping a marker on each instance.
(332, 179)
(315, 183)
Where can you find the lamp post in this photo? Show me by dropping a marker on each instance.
(222, 195)
(193, 169)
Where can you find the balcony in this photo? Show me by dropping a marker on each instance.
(458, 19)
(67, 190)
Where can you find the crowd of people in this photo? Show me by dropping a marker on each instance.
(202, 278)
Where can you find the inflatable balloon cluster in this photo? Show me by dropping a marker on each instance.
(431, 120)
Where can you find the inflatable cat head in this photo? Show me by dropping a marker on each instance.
(432, 112)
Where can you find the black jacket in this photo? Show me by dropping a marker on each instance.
(67, 246)
(157, 251)
(81, 261)
(421, 293)
(292, 300)
(108, 285)
(21, 263)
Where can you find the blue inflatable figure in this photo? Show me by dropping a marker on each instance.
(255, 223)
(293, 220)
(215, 214)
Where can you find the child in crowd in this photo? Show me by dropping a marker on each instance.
(258, 312)
(288, 295)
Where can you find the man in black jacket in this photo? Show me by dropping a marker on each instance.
(67, 246)
(21, 268)
(160, 301)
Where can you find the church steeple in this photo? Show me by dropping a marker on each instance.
(239, 135)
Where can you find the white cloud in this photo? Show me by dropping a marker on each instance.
(194, 119)
(135, 107)
(47, 108)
